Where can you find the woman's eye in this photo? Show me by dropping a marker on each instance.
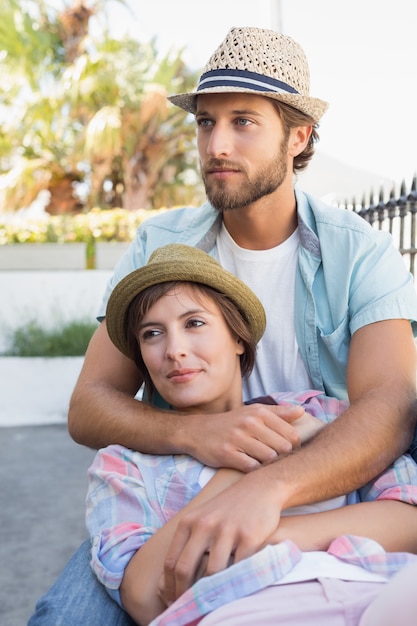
(149, 334)
(194, 323)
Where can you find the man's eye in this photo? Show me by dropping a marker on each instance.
(204, 122)
(242, 121)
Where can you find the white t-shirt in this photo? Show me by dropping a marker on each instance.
(271, 275)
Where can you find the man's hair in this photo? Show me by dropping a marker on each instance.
(141, 304)
(291, 118)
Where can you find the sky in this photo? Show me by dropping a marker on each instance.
(362, 56)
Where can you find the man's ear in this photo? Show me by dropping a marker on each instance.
(298, 139)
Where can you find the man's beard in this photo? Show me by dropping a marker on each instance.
(267, 179)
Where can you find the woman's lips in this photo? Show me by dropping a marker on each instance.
(183, 375)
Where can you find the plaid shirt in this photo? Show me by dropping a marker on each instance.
(268, 566)
(131, 495)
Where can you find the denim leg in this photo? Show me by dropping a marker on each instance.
(77, 598)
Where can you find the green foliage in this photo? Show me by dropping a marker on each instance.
(96, 225)
(68, 340)
(91, 111)
(23, 28)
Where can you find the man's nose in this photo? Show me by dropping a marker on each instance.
(220, 142)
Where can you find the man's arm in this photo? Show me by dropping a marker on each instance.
(140, 588)
(363, 441)
(103, 411)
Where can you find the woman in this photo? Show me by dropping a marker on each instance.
(192, 329)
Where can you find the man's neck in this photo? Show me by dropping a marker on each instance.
(264, 224)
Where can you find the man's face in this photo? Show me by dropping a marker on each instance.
(242, 147)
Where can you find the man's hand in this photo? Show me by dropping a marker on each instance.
(212, 536)
(246, 438)
(228, 528)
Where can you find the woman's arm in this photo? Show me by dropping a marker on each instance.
(140, 585)
(392, 524)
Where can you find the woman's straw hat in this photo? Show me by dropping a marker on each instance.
(177, 262)
(258, 61)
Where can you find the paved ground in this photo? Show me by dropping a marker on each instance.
(42, 491)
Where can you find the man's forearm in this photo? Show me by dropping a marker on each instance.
(112, 417)
(348, 453)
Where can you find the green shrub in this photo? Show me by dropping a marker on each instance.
(68, 340)
(96, 225)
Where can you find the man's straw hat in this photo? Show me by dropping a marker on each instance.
(177, 262)
(258, 61)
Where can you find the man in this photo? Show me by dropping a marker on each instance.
(338, 301)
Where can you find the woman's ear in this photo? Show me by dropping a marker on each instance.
(240, 348)
(298, 139)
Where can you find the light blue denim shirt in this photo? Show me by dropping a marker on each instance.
(349, 275)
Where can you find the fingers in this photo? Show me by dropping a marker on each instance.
(288, 413)
(264, 434)
(182, 560)
(261, 433)
(210, 541)
(224, 530)
(247, 438)
(308, 426)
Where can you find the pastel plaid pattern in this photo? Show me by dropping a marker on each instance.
(131, 495)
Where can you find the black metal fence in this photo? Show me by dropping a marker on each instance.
(397, 215)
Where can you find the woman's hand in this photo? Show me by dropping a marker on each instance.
(307, 426)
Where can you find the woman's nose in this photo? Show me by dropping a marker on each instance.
(175, 347)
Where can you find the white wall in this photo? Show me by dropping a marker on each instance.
(36, 390)
(48, 297)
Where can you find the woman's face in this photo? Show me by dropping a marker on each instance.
(190, 353)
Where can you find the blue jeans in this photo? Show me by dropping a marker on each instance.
(77, 598)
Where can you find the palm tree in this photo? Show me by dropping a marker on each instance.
(89, 115)
(137, 144)
(39, 153)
